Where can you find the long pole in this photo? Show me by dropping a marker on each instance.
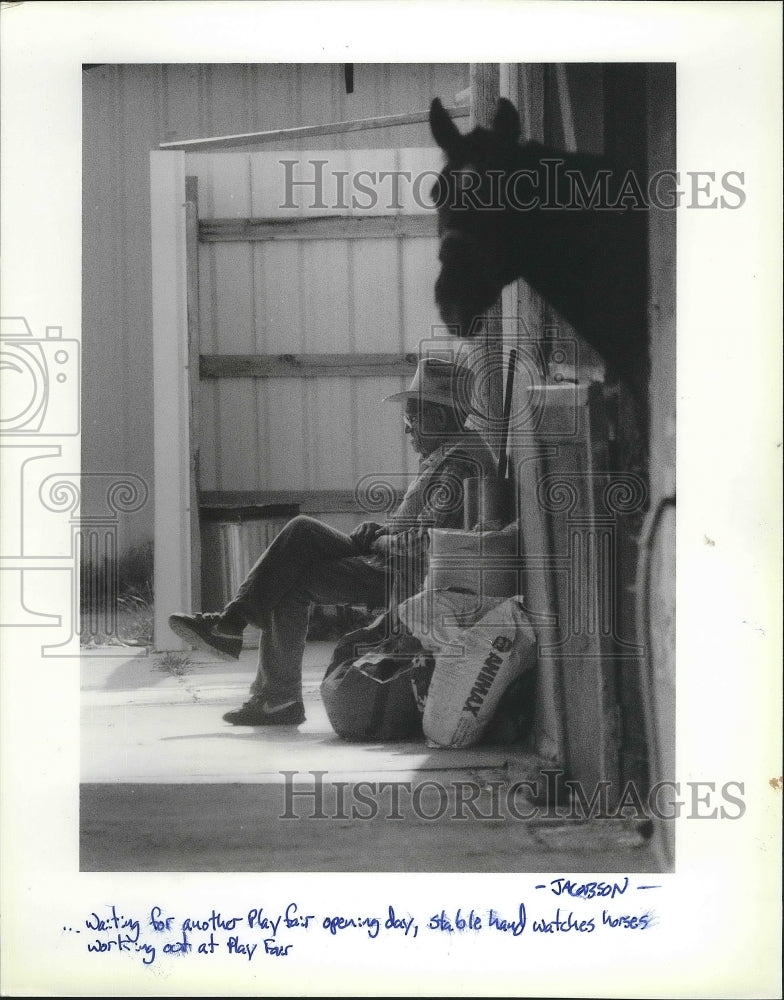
(503, 460)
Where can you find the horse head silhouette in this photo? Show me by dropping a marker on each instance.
(573, 225)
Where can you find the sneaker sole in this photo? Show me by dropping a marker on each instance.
(264, 721)
(189, 635)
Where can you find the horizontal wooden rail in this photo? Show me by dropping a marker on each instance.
(318, 227)
(304, 131)
(305, 365)
(307, 501)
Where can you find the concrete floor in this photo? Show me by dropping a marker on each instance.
(166, 785)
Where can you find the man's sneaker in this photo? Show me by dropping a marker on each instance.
(254, 713)
(197, 630)
(226, 628)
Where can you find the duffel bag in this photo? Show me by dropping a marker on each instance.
(380, 693)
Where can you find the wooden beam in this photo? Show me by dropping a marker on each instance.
(304, 131)
(171, 397)
(192, 313)
(305, 365)
(308, 501)
(330, 227)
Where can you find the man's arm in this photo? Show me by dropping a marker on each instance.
(445, 500)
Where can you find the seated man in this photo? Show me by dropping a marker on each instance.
(309, 562)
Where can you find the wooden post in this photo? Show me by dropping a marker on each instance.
(485, 84)
(192, 291)
(525, 321)
(171, 395)
(658, 681)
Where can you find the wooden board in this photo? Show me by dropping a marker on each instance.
(172, 401)
(305, 365)
(349, 227)
(302, 132)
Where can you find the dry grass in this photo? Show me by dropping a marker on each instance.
(176, 664)
(130, 622)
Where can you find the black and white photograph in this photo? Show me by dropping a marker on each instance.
(353, 638)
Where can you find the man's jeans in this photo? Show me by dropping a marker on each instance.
(307, 563)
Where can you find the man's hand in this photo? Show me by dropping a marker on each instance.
(365, 534)
(402, 543)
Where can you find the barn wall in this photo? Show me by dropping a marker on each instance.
(129, 110)
(306, 296)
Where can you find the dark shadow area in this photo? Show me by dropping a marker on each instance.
(243, 828)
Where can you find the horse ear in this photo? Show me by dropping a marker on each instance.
(444, 130)
(506, 123)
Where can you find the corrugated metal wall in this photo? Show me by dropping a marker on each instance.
(129, 110)
(308, 296)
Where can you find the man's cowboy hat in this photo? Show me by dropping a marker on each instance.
(437, 381)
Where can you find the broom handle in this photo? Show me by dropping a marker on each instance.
(503, 457)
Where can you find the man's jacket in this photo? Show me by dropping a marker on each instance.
(434, 500)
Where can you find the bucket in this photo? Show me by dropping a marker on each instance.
(488, 500)
(487, 563)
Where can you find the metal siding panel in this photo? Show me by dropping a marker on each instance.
(315, 187)
(284, 463)
(375, 305)
(101, 308)
(132, 270)
(238, 430)
(419, 268)
(381, 443)
(234, 299)
(275, 95)
(423, 164)
(407, 92)
(447, 80)
(184, 101)
(371, 97)
(329, 425)
(366, 190)
(279, 307)
(231, 186)
(325, 296)
(321, 89)
(268, 191)
(229, 91)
